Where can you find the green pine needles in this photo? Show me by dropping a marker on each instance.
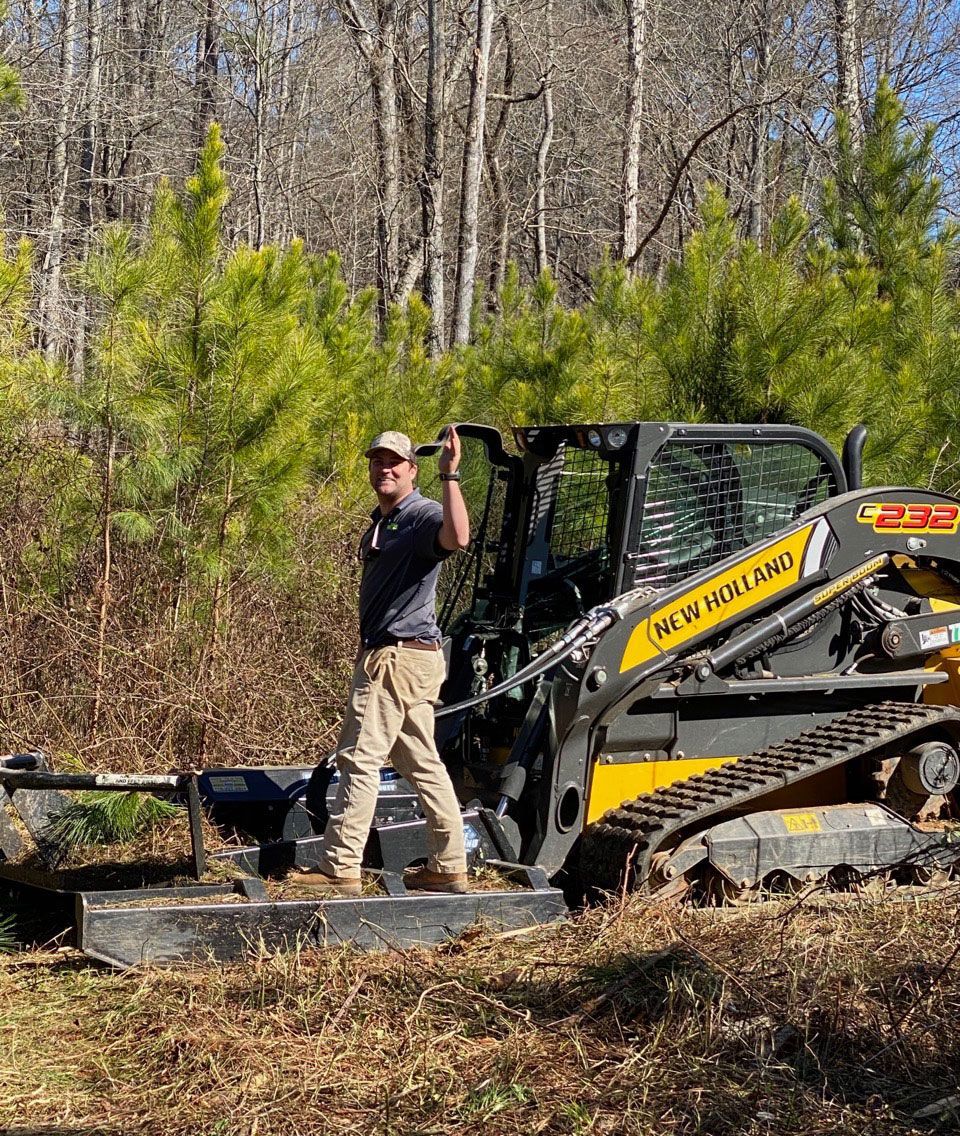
(108, 818)
(8, 941)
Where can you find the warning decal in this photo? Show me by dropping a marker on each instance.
(702, 608)
(938, 637)
(801, 822)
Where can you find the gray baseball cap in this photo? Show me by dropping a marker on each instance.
(395, 442)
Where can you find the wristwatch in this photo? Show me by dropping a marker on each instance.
(455, 476)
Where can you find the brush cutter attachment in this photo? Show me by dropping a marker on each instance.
(223, 905)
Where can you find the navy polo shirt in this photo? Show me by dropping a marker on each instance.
(401, 561)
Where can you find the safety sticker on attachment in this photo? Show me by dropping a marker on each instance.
(228, 784)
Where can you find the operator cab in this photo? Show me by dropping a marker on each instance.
(582, 513)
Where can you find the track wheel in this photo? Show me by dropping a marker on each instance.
(918, 784)
(719, 891)
(664, 885)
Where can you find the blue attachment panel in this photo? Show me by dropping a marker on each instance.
(245, 785)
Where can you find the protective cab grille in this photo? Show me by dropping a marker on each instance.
(582, 509)
(706, 500)
(461, 576)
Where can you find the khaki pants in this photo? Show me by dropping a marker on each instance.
(390, 715)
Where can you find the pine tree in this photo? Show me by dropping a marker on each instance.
(18, 363)
(346, 328)
(122, 414)
(33, 472)
(889, 244)
(529, 363)
(789, 359)
(228, 342)
(621, 320)
(695, 324)
(231, 344)
(884, 205)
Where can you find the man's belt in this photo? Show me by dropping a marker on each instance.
(416, 644)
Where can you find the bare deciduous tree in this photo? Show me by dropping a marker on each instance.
(636, 11)
(367, 126)
(546, 140)
(848, 84)
(470, 178)
(432, 175)
(208, 66)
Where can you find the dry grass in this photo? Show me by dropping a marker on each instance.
(270, 692)
(632, 1019)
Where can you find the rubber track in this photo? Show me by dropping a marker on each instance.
(634, 832)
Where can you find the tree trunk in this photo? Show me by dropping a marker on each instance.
(211, 650)
(262, 81)
(106, 571)
(848, 80)
(208, 64)
(633, 125)
(432, 176)
(470, 178)
(88, 154)
(148, 50)
(386, 120)
(759, 141)
(543, 150)
(501, 232)
(51, 313)
(288, 144)
(376, 41)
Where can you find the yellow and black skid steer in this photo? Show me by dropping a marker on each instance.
(682, 658)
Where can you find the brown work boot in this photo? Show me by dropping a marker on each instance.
(422, 879)
(325, 884)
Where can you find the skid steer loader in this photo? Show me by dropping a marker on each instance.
(682, 658)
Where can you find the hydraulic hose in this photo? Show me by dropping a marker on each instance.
(593, 623)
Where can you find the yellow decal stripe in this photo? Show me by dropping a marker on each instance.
(611, 785)
(748, 584)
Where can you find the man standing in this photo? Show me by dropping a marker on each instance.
(399, 671)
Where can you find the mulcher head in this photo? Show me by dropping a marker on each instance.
(27, 815)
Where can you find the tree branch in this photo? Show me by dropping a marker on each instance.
(686, 160)
(526, 97)
(355, 24)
